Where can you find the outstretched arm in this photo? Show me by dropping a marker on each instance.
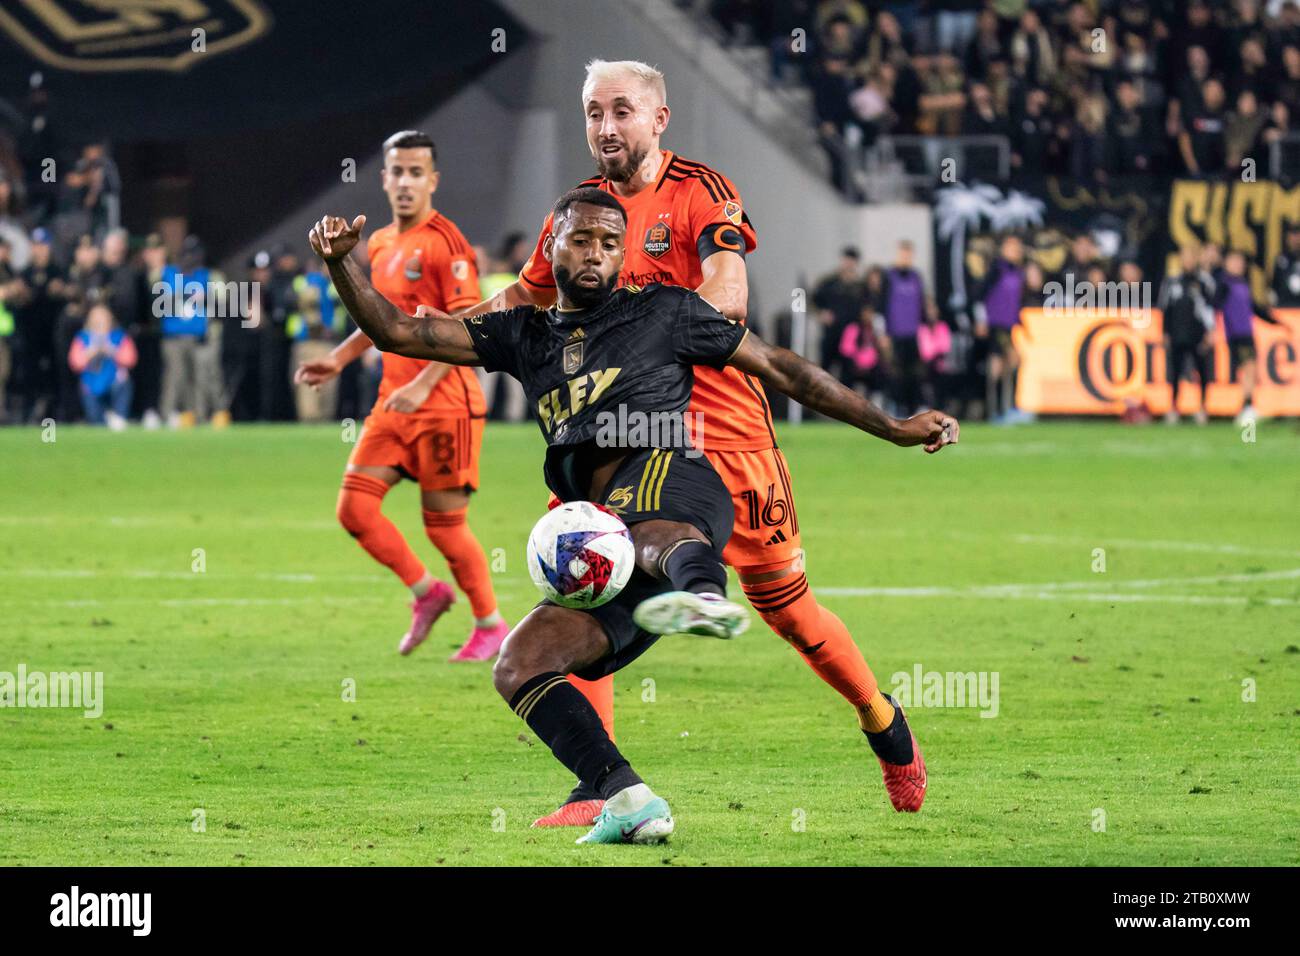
(815, 388)
(391, 329)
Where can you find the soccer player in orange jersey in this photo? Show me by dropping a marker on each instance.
(687, 226)
(427, 423)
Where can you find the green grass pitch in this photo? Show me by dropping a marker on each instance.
(1148, 713)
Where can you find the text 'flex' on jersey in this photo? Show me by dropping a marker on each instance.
(428, 264)
(689, 213)
(615, 376)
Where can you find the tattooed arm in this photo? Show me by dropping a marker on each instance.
(391, 329)
(815, 388)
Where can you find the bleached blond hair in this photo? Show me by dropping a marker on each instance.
(644, 73)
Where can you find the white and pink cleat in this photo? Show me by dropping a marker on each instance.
(424, 611)
(483, 643)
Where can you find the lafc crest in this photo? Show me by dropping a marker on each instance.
(121, 35)
(573, 352)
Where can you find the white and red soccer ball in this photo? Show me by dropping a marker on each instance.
(580, 555)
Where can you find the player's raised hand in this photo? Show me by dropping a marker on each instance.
(332, 238)
(931, 429)
(317, 373)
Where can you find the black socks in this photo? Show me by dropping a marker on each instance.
(566, 722)
(693, 565)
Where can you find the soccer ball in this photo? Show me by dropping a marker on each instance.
(580, 555)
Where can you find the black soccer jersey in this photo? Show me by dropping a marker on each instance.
(600, 376)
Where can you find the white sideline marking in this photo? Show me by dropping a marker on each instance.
(1154, 545)
(1027, 595)
(289, 577)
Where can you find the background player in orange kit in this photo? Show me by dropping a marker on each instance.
(687, 227)
(427, 423)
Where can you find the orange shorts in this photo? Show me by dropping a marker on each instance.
(439, 453)
(766, 533)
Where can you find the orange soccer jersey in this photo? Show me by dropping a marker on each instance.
(671, 226)
(428, 264)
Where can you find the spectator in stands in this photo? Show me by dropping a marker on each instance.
(86, 282)
(1286, 270)
(182, 300)
(860, 357)
(849, 12)
(1187, 99)
(1234, 298)
(11, 287)
(840, 299)
(981, 118)
(1033, 135)
(886, 43)
(316, 325)
(1185, 302)
(1033, 296)
(1140, 66)
(147, 334)
(1130, 143)
(903, 306)
(1288, 85)
(1031, 51)
(12, 230)
(1253, 71)
(276, 373)
(44, 295)
(124, 280)
(241, 345)
(985, 48)
(955, 23)
(934, 347)
(871, 104)
(997, 312)
(1243, 134)
(1084, 254)
(943, 97)
(102, 355)
(1201, 142)
(210, 391)
(1089, 145)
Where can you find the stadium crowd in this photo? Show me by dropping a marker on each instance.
(1092, 89)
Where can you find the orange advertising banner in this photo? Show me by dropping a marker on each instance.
(1095, 362)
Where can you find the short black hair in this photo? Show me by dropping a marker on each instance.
(590, 196)
(411, 139)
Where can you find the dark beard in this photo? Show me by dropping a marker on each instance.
(584, 297)
(623, 173)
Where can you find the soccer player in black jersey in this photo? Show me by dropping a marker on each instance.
(626, 353)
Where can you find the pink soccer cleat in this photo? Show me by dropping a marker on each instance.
(483, 643)
(424, 611)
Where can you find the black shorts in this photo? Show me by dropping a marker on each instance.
(672, 485)
(1240, 351)
(1000, 342)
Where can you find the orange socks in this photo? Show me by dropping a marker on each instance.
(450, 534)
(358, 511)
(789, 608)
(600, 694)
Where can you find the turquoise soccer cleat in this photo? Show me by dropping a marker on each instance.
(652, 822)
(684, 612)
